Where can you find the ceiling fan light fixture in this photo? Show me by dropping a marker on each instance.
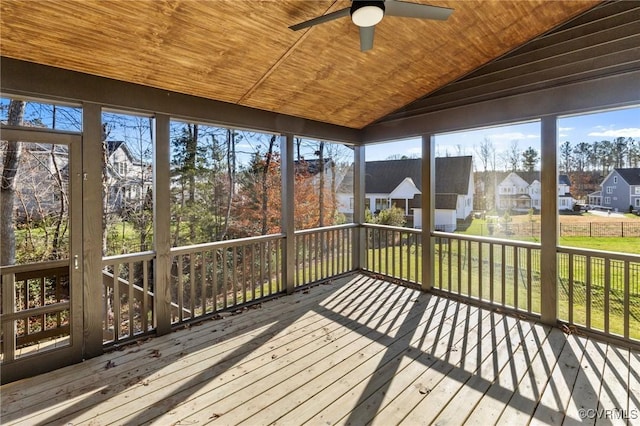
(367, 13)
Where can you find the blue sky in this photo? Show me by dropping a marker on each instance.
(575, 129)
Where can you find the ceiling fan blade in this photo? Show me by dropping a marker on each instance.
(366, 38)
(414, 10)
(321, 19)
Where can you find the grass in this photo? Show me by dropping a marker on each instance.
(460, 271)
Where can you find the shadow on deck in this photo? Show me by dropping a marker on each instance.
(353, 351)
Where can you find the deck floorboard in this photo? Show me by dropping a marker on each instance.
(355, 351)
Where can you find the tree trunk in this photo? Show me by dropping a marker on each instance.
(192, 148)
(265, 178)
(57, 235)
(8, 187)
(231, 171)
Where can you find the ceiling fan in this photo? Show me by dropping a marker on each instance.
(366, 14)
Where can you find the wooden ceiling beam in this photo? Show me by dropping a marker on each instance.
(31, 80)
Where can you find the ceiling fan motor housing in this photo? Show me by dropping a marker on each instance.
(366, 13)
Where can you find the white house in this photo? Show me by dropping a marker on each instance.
(398, 183)
(520, 191)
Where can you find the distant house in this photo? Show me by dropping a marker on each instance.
(399, 183)
(41, 181)
(520, 192)
(128, 179)
(620, 190)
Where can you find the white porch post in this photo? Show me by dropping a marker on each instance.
(549, 221)
(288, 212)
(428, 205)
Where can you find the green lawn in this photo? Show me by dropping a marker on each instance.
(459, 270)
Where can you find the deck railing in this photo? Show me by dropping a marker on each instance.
(35, 308)
(128, 304)
(600, 291)
(597, 291)
(207, 278)
(322, 253)
(394, 251)
(503, 273)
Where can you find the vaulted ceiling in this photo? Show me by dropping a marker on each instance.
(243, 52)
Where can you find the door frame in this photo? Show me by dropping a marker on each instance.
(48, 360)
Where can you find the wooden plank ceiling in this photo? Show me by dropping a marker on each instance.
(242, 52)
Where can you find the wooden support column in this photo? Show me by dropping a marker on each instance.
(428, 206)
(93, 290)
(288, 212)
(549, 221)
(162, 225)
(358, 254)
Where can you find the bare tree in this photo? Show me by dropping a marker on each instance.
(8, 187)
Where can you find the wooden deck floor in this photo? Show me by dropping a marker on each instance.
(356, 351)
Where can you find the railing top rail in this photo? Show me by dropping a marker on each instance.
(131, 257)
(326, 228)
(392, 228)
(38, 266)
(491, 240)
(599, 253)
(225, 244)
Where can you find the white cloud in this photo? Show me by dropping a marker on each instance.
(414, 150)
(565, 129)
(512, 136)
(631, 132)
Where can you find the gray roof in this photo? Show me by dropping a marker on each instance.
(446, 201)
(452, 174)
(631, 176)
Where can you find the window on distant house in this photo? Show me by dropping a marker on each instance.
(637, 202)
(615, 179)
(609, 190)
(607, 200)
(637, 190)
(351, 201)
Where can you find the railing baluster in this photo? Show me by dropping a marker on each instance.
(116, 302)
(145, 296)
(607, 292)
(529, 279)
(234, 275)
(491, 273)
(43, 291)
(459, 242)
(516, 272)
(626, 301)
(503, 274)
(570, 286)
(203, 282)
(480, 248)
(130, 298)
(469, 268)
(588, 289)
(262, 266)
(253, 272)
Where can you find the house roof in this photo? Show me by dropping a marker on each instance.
(530, 177)
(453, 174)
(243, 53)
(382, 177)
(630, 175)
(446, 201)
